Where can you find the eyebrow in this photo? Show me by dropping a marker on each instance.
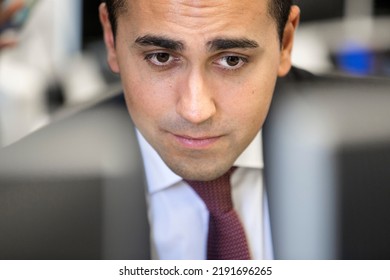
(213, 45)
(160, 41)
(225, 44)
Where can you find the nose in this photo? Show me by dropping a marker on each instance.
(196, 103)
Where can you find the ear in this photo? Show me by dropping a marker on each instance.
(288, 40)
(108, 38)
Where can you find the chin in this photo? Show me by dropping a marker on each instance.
(198, 172)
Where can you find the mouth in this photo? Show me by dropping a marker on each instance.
(191, 142)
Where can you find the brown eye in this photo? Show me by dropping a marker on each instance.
(233, 60)
(163, 57)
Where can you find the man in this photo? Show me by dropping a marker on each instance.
(198, 83)
(198, 79)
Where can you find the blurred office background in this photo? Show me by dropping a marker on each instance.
(59, 61)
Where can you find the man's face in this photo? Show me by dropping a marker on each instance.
(198, 77)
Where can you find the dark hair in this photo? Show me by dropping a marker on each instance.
(115, 8)
(278, 9)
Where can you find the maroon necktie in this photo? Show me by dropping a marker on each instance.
(226, 237)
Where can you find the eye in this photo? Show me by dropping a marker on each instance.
(231, 62)
(160, 59)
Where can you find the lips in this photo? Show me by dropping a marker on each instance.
(196, 142)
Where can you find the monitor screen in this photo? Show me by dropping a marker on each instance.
(381, 8)
(320, 10)
(328, 170)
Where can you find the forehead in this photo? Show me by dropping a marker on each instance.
(196, 16)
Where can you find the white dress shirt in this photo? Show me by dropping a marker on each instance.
(179, 218)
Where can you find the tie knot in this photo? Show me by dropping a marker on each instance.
(216, 193)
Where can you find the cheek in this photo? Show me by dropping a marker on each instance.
(252, 99)
(145, 101)
(142, 107)
(144, 90)
(254, 114)
(256, 109)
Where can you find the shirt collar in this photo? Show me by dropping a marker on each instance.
(160, 177)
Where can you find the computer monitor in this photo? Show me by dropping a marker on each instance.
(328, 170)
(321, 10)
(381, 8)
(66, 191)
